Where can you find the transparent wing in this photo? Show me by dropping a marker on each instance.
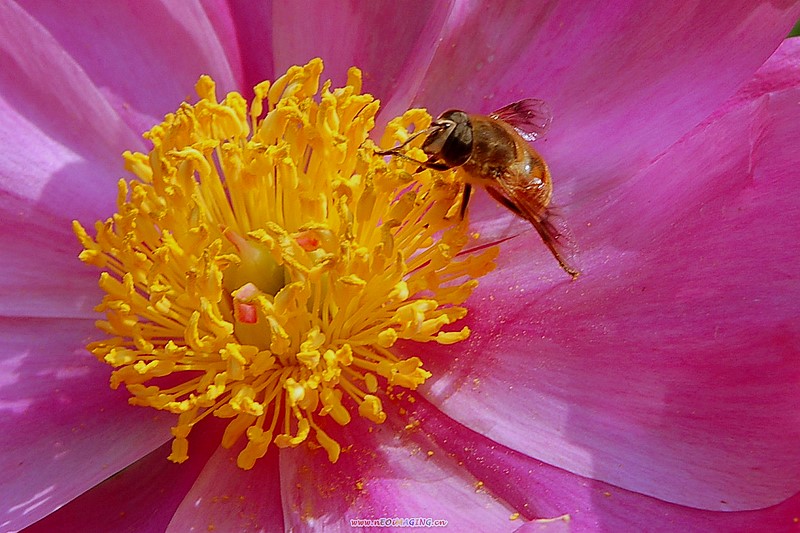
(531, 117)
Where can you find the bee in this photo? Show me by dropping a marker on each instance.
(493, 152)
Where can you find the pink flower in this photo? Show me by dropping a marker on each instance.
(657, 392)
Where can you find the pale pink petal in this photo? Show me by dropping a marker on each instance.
(538, 490)
(388, 471)
(69, 102)
(145, 56)
(62, 430)
(60, 135)
(64, 141)
(227, 498)
(40, 275)
(143, 497)
(670, 367)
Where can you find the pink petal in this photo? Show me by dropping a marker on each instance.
(561, 524)
(227, 498)
(625, 80)
(670, 368)
(225, 31)
(383, 39)
(253, 25)
(62, 430)
(386, 472)
(64, 154)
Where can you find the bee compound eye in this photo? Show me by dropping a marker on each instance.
(457, 148)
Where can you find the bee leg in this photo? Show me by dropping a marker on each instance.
(550, 236)
(543, 227)
(508, 204)
(465, 199)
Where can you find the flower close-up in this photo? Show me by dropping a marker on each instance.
(257, 277)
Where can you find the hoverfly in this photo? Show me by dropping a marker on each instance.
(493, 152)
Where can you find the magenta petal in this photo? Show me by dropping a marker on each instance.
(62, 430)
(385, 472)
(252, 24)
(538, 490)
(227, 498)
(143, 497)
(625, 79)
(391, 42)
(671, 367)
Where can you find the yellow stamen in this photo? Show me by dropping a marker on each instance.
(264, 261)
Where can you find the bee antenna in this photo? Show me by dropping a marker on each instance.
(396, 149)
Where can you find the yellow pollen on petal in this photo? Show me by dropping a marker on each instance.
(263, 263)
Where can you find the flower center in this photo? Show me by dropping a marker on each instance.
(264, 261)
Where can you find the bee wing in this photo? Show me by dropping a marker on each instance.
(531, 117)
(520, 199)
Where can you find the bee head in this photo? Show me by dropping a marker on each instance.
(450, 139)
